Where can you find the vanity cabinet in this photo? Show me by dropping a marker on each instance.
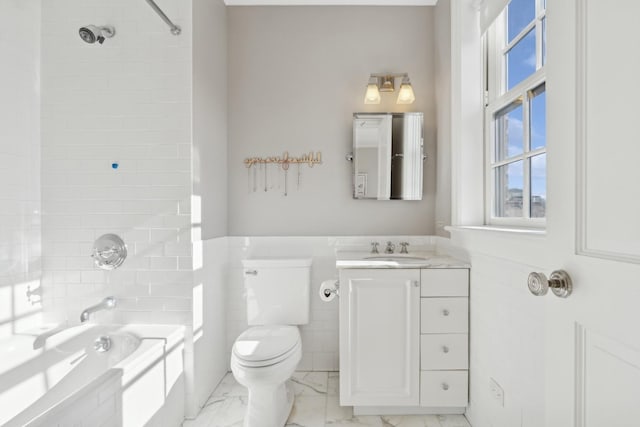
(404, 338)
(379, 337)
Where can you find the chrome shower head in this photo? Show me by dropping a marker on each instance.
(91, 33)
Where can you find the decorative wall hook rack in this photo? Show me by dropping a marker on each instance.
(258, 170)
(311, 159)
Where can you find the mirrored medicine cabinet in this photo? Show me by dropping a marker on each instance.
(388, 156)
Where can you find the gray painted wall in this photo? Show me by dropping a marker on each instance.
(296, 76)
(209, 114)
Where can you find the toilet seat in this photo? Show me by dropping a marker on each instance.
(267, 345)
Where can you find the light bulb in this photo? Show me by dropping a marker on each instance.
(373, 94)
(406, 95)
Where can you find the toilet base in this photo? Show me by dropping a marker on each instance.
(269, 406)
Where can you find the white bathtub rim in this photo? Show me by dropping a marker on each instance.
(43, 419)
(155, 342)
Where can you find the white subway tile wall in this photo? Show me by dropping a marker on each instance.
(116, 144)
(320, 336)
(19, 166)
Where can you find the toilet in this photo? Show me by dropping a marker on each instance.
(265, 356)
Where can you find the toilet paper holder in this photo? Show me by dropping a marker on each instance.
(331, 291)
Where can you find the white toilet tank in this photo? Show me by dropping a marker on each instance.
(277, 290)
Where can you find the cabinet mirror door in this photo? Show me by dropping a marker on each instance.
(388, 156)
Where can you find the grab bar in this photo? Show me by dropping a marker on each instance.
(175, 30)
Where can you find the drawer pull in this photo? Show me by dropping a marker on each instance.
(445, 312)
(445, 349)
(445, 386)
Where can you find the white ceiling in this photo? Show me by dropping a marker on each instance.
(330, 2)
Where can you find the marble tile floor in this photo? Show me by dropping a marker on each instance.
(316, 405)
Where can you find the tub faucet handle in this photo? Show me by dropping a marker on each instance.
(37, 292)
(403, 247)
(374, 247)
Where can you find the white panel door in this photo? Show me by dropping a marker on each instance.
(379, 337)
(592, 338)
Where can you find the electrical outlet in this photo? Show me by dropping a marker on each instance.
(496, 391)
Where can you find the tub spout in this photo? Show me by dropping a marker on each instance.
(109, 303)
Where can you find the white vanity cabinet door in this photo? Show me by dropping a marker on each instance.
(379, 337)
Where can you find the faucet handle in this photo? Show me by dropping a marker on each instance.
(403, 247)
(390, 248)
(374, 247)
(37, 292)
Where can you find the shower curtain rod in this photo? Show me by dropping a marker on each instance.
(175, 30)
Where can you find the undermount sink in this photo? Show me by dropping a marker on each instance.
(418, 259)
(397, 258)
(369, 260)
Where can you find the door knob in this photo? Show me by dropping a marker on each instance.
(559, 282)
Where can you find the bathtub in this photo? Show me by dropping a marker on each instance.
(57, 377)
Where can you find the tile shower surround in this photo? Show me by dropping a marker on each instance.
(320, 335)
(127, 102)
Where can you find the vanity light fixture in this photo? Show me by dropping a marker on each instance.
(386, 83)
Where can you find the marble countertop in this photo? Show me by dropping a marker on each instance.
(410, 260)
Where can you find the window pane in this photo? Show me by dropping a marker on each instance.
(508, 193)
(519, 14)
(538, 117)
(538, 186)
(521, 60)
(509, 132)
(544, 41)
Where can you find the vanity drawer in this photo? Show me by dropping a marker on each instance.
(444, 282)
(444, 388)
(444, 315)
(444, 351)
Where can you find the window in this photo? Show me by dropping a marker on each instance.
(515, 115)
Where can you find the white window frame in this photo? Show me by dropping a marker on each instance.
(498, 98)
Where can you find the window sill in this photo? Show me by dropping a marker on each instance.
(534, 232)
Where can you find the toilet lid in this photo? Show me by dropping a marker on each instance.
(265, 343)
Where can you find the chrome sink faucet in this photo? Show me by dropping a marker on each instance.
(374, 247)
(109, 303)
(390, 248)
